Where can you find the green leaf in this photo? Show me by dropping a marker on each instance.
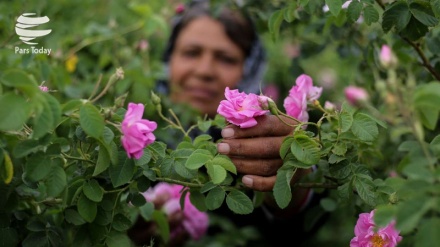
(198, 200)
(25, 148)
(345, 191)
(281, 190)
(121, 223)
(122, 173)
(354, 10)
(204, 125)
(371, 15)
(334, 6)
(198, 158)
(396, 16)
(365, 190)
(36, 239)
(6, 167)
(183, 171)
(435, 4)
(158, 148)
(429, 116)
(216, 173)
(147, 210)
(71, 106)
(239, 203)
(73, 217)
(56, 181)
(384, 214)
(207, 187)
(422, 12)
(225, 162)
(93, 191)
(117, 239)
(275, 21)
(410, 212)
(38, 167)
(43, 122)
(415, 30)
(305, 149)
(162, 221)
(91, 121)
(215, 198)
(18, 79)
(427, 233)
(328, 204)
(339, 148)
(103, 161)
(289, 11)
(87, 208)
(364, 128)
(285, 146)
(345, 121)
(16, 114)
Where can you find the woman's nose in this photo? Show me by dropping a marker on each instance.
(205, 66)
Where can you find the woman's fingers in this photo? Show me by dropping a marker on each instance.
(260, 167)
(259, 183)
(268, 125)
(260, 147)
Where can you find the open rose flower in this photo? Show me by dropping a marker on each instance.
(240, 108)
(367, 236)
(137, 132)
(299, 96)
(167, 198)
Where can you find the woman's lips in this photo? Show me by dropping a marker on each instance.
(200, 93)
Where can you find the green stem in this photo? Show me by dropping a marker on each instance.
(76, 158)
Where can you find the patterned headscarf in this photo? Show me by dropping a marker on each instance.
(254, 66)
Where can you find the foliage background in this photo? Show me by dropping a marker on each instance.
(91, 38)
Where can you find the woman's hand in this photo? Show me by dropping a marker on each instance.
(255, 151)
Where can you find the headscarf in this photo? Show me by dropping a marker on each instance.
(254, 65)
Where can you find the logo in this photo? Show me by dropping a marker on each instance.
(23, 29)
(24, 22)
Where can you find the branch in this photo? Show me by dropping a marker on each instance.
(425, 61)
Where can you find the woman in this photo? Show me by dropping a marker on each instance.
(206, 54)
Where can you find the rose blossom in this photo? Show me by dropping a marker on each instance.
(43, 88)
(167, 197)
(355, 94)
(240, 108)
(299, 96)
(137, 132)
(387, 57)
(366, 236)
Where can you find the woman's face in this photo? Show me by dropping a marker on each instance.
(203, 63)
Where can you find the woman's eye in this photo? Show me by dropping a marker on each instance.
(228, 60)
(190, 53)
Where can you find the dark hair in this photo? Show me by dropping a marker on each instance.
(239, 28)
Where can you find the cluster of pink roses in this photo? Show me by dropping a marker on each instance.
(167, 196)
(241, 108)
(367, 236)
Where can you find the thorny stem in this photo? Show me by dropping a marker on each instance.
(118, 75)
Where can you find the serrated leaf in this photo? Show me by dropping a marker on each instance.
(339, 148)
(117, 239)
(239, 203)
(285, 146)
(56, 181)
(354, 10)
(215, 198)
(91, 121)
(87, 208)
(371, 15)
(423, 13)
(305, 150)
(282, 191)
(93, 190)
(365, 190)
(384, 214)
(198, 158)
(334, 6)
(225, 162)
(345, 121)
(183, 171)
(73, 217)
(364, 128)
(435, 4)
(121, 223)
(38, 167)
(198, 200)
(122, 173)
(103, 161)
(396, 16)
(216, 173)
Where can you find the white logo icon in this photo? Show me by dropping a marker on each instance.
(24, 22)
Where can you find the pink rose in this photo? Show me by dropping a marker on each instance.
(354, 94)
(167, 196)
(137, 132)
(240, 108)
(366, 236)
(299, 96)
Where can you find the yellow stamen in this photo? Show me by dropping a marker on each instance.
(378, 241)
